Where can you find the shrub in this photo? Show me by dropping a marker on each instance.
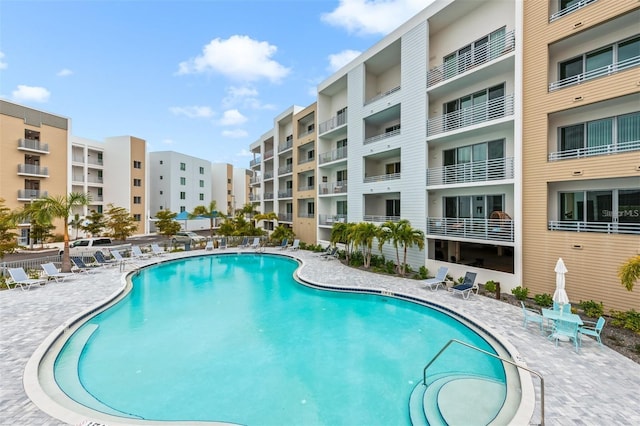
(490, 286)
(390, 267)
(460, 280)
(629, 320)
(356, 259)
(591, 308)
(545, 300)
(423, 273)
(520, 292)
(377, 261)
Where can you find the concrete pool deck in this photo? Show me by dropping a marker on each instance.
(595, 387)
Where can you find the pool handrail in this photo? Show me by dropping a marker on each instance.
(424, 371)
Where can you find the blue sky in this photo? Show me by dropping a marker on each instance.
(204, 78)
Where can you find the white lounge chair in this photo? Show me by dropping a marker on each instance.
(333, 254)
(209, 246)
(137, 253)
(467, 287)
(120, 258)
(244, 243)
(51, 271)
(223, 244)
(157, 250)
(20, 278)
(295, 245)
(438, 280)
(256, 243)
(284, 244)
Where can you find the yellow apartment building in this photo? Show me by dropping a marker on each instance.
(304, 175)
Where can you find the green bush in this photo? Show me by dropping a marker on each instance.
(591, 308)
(390, 267)
(377, 261)
(490, 286)
(520, 292)
(545, 300)
(629, 320)
(356, 259)
(423, 273)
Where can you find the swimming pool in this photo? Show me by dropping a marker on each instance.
(209, 339)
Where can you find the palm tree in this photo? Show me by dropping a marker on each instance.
(400, 233)
(209, 211)
(363, 235)
(60, 207)
(630, 272)
(343, 233)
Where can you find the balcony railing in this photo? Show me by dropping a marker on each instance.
(305, 159)
(95, 179)
(601, 227)
(595, 73)
(330, 219)
(495, 48)
(382, 178)
(333, 187)
(77, 158)
(477, 171)
(268, 154)
(476, 229)
(336, 154)
(268, 195)
(285, 169)
(33, 170)
(285, 145)
(381, 219)
(579, 5)
(333, 122)
(77, 178)
(254, 197)
(381, 136)
(306, 132)
(287, 193)
(477, 114)
(382, 95)
(268, 175)
(32, 145)
(595, 150)
(31, 194)
(306, 188)
(306, 215)
(255, 162)
(95, 161)
(285, 217)
(254, 180)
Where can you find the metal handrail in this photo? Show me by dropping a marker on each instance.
(424, 372)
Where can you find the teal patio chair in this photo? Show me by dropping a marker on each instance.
(593, 329)
(566, 329)
(531, 316)
(566, 308)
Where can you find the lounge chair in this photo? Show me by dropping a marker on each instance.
(592, 329)
(438, 280)
(120, 258)
(81, 267)
(531, 315)
(52, 272)
(222, 244)
(137, 253)
(326, 251)
(157, 250)
(284, 244)
(244, 243)
(102, 260)
(209, 246)
(20, 278)
(467, 287)
(333, 254)
(256, 243)
(295, 245)
(566, 329)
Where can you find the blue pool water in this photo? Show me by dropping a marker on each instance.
(234, 338)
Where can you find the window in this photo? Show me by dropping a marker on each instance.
(183, 166)
(99, 209)
(311, 209)
(99, 193)
(183, 195)
(137, 200)
(201, 184)
(392, 207)
(100, 158)
(183, 209)
(228, 181)
(341, 175)
(137, 164)
(161, 162)
(341, 116)
(310, 154)
(617, 205)
(201, 170)
(137, 217)
(161, 192)
(160, 207)
(393, 128)
(288, 208)
(475, 108)
(473, 206)
(161, 177)
(228, 192)
(201, 197)
(479, 159)
(310, 127)
(310, 181)
(137, 182)
(342, 143)
(183, 181)
(341, 208)
(289, 138)
(392, 168)
(598, 133)
(473, 54)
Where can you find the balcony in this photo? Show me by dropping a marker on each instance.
(334, 122)
(268, 155)
(285, 217)
(574, 7)
(595, 150)
(255, 162)
(95, 179)
(336, 154)
(381, 136)
(330, 219)
(285, 145)
(77, 178)
(254, 197)
(477, 171)
(380, 219)
(473, 229)
(471, 59)
(307, 131)
(595, 73)
(382, 178)
(285, 169)
(305, 159)
(95, 161)
(333, 187)
(306, 215)
(268, 175)
(382, 95)
(33, 170)
(33, 145)
(600, 227)
(254, 180)
(287, 193)
(477, 114)
(268, 195)
(306, 188)
(31, 194)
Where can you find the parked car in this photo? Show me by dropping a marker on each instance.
(187, 237)
(90, 245)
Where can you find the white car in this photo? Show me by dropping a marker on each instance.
(187, 237)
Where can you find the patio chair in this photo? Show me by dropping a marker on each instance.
(223, 244)
(295, 245)
(256, 243)
(137, 253)
(333, 254)
(120, 258)
(593, 329)
(284, 244)
(52, 272)
(244, 243)
(533, 316)
(209, 246)
(81, 267)
(438, 280)
(566, 308)
(157, 250)
(20, 278)
(566, 329)
(467, 287)
(326, 251)
(102, 260)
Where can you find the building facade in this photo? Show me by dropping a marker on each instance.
(304, 175)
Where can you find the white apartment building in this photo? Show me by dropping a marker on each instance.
(425, 126)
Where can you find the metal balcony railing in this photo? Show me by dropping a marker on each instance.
(601, 227)
(285, 145)
(306, 188)
(77, 178)
(32, 169)
(254, 180)
(382, 95)
(477, 114)
(33, 145)
(31, 194)
(254, 197)
(330, 219)
(268, 175)
(595, 150)
(285, 169)
(255, 162)
(381, 136)
(336, 154)
(95, 161)
(333, 187)
(595, 73)
(268, 154)
(268, 195)
(305, 159)
(576, 6)
(382, 178)
(477, 56)
(306, 131)
(94, 179)
(77, 158)
(287, 193)
(306, 215)
(477, 171)
(285, 217)
(333, 122)
(381, 219)
(476, 229)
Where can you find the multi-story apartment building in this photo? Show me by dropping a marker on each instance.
(304, 175)
(424, 126)
(222, 188)
(581, 146)
(241, 182)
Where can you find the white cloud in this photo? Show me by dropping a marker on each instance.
(3, 64)
(244, 153)
(366, 17)
(238, 58)
(31, 94)
(245, 97)
(235, 134)
(65, 72)
(338, 60)
(232, 117)
(193, 111)
(167, 141)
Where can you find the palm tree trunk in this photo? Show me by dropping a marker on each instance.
(66, 260)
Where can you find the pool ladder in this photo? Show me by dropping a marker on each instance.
(508, 361)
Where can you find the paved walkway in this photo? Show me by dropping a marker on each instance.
(595, 387)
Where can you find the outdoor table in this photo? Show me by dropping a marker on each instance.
(554, 315)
